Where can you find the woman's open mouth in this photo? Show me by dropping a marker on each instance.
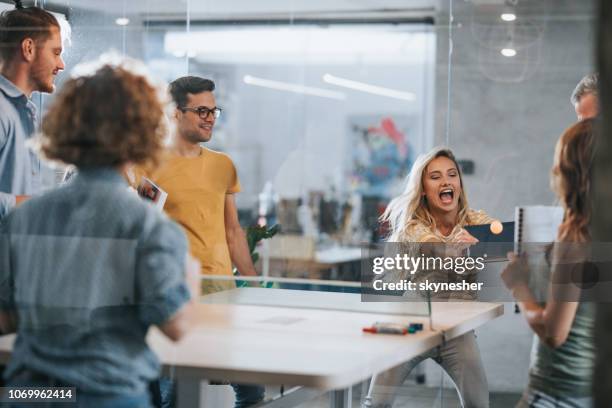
(447, 195)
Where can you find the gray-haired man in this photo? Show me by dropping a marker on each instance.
(585, 97)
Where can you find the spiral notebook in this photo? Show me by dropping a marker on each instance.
(536, 226)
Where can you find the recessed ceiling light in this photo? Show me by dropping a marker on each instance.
(122, 21)
(508, 16)
(508, 52)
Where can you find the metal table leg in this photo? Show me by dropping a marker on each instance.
(188, 393)
(341, 398)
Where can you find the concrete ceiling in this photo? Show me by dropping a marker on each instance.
(534, 9)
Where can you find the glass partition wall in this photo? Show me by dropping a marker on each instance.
(324, 111)
(326, 105)
(505, 72)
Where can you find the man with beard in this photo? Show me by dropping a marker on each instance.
(201, 184)
(30, 52)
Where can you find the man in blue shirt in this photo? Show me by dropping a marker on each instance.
(31, 58)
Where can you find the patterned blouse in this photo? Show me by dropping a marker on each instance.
(418, 232)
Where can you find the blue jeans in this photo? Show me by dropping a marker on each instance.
(164, 393)
(83, 399)
(246, 395)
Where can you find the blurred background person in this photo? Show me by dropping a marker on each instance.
(585, 97)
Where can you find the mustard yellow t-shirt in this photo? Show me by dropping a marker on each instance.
(197, 188)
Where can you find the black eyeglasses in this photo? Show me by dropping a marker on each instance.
(203, 111)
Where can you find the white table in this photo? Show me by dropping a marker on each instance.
(270, 336)
(265, 337)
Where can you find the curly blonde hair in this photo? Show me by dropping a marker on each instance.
(109, 118)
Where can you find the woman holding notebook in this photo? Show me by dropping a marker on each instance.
(564, 353)
(433, 209)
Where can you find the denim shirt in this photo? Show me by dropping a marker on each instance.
(88, 268)
(20, 172)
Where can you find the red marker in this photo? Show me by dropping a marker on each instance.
(385, 330)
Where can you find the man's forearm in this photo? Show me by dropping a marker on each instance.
(10, 201)
(239, 252)
(7, 202)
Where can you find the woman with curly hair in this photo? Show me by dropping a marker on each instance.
(430, 214)
(563, 355)
(86, 269)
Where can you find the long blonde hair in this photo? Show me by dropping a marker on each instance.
(411, 206)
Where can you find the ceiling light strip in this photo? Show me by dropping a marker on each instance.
(373, 89)
(291, 87)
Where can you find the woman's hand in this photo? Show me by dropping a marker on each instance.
(516, 273)
(462, 241)
(465, 237)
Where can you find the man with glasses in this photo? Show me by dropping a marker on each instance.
(201, 184)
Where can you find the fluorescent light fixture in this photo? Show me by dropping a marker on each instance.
(373, 89)
(508, 52)
(508, 16)
(122, 21)
(295, 88)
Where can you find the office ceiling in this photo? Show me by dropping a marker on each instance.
(567, 9)
(281, 9)
(217, 8)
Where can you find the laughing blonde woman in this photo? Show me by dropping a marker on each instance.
(433, 209)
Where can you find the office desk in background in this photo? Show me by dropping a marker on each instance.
(275, 336)
(298, 256)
